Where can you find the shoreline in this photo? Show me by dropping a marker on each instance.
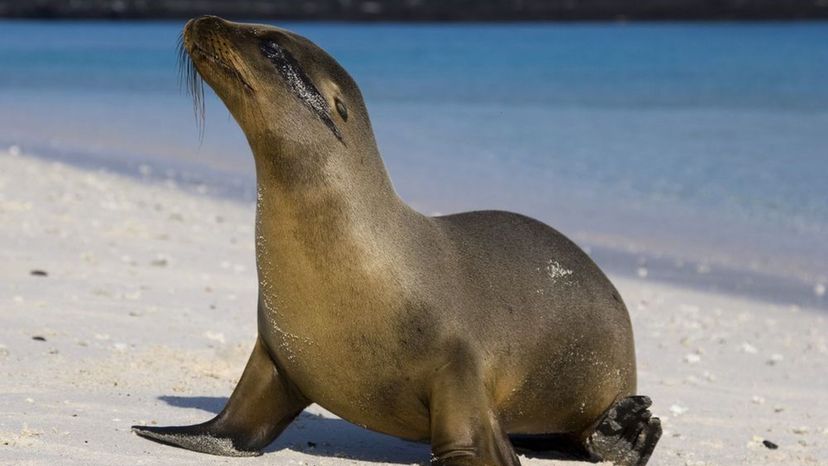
(146, 314)
(614, 253)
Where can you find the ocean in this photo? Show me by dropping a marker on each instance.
(686, 152)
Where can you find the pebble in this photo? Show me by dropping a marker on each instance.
(758, 400)
(38, 273)
(160, 262)
(678, 410)
(775, 359)
(38, 338)
(770, 445)
(801, 430)
(215, 336)
(132, 296)
(692, 358)
(748, 348)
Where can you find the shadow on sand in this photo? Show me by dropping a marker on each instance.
(321, 436)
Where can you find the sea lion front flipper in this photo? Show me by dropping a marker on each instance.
(626, 434)
(261, 406)
(464, 429)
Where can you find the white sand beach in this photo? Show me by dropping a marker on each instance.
(127, 302)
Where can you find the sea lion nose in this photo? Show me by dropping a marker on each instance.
(209, 19)
(206, 22)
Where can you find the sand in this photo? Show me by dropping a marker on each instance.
(126, 301)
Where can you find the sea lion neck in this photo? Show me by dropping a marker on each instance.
(309, 203)
(293, 173)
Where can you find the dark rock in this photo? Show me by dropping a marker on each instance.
(770, 445)
(38, 273)
(38, 338)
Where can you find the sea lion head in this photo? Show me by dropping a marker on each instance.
(294, 102)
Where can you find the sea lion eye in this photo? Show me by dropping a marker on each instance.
(341, 108)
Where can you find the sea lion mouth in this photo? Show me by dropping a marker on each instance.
(299, 83)
(216, 59)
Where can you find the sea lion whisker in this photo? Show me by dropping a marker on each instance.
(192, 83)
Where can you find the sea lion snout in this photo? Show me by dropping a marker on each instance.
(214, 35)
(204, 22)
(196, 27)
(217, 50)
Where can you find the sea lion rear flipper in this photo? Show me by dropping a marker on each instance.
(261, 406)
(626, 434)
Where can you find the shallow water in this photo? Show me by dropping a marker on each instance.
(701, 144)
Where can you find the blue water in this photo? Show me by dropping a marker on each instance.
(705, 143)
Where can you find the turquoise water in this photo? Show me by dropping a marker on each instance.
(699, 143)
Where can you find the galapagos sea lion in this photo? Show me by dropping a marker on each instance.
(476, 332)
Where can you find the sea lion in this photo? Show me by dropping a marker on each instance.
(477, 331)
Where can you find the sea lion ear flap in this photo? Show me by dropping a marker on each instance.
(259, 409)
